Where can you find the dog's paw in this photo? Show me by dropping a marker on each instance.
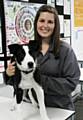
(13, 108)
(46, 118)
(25, 118)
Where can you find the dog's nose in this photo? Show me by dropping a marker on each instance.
(30, 64)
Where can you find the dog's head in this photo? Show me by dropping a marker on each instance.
(24, 55)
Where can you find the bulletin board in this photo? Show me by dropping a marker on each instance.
(17, 15)
(77, 27)
(63, 8)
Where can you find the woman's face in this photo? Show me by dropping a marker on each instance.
(45, 25)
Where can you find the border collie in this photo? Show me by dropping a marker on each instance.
(25, 70)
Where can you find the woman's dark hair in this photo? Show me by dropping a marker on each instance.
(56, 34)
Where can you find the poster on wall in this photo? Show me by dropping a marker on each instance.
(77, 28)
(66, 27)
(1, 79)
(67, 7)
(59, 2)
(19, 18)
(61, 19)
(2, 66)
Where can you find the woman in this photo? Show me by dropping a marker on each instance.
(58, 69)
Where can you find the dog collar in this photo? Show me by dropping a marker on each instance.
(27, 72)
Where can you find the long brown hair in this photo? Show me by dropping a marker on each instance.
(55, 38)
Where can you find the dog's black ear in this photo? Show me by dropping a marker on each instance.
(14, 48)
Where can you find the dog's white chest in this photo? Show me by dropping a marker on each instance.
(26, 81)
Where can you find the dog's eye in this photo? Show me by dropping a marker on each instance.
(20, 56)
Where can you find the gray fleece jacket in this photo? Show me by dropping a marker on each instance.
(59, 76)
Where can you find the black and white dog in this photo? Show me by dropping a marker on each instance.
(24, 77)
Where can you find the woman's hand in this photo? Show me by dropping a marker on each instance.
(10, 71)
